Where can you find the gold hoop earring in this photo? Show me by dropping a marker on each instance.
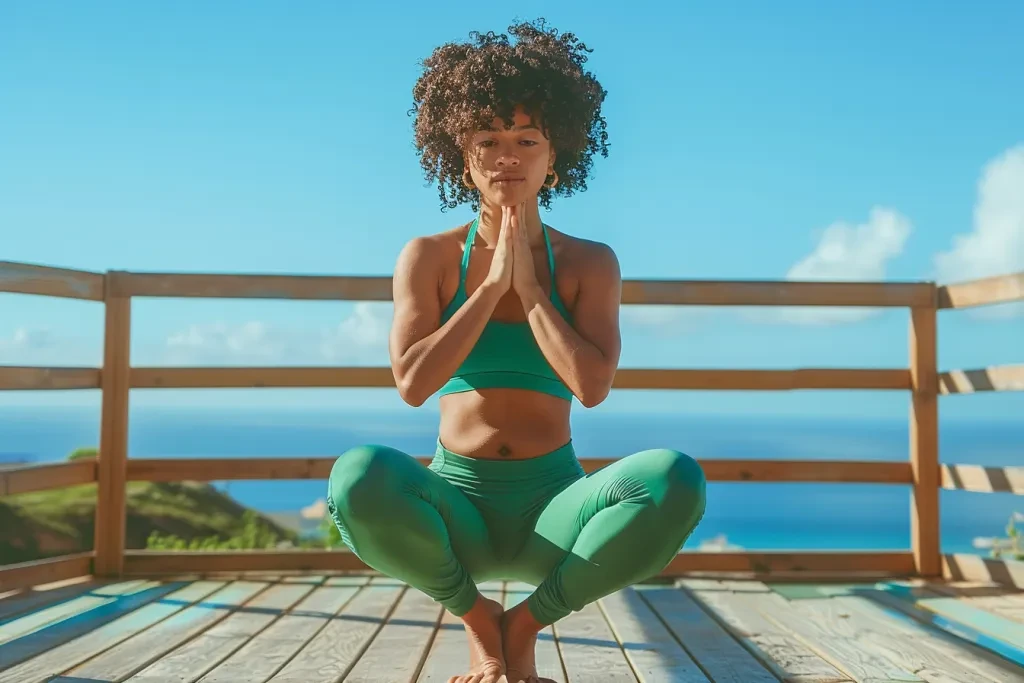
(553, 182)
(467, 179)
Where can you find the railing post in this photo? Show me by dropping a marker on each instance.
(109, 539)
(924, 440)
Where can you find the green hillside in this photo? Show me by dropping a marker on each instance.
(160, 515)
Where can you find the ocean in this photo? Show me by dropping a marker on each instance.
(753, 516)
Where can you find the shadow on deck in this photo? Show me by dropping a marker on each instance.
(262, 627)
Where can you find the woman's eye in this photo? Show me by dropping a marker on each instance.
(528, 142)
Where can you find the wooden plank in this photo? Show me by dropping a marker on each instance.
(56, 475)
(198, 656)
(901, 600)
(24, 574)
(449, 651)
(334, 650)
(1007, 607)
(650, 648)
(244, 286)
(547, 656)
(101, 595)
(634, 291)
(715, 379)
(999, 378)
(715, 469)
(981, 478)
(883, 638)
(29, 278)
(1006, 630)
(269, 651)
(927, 641)
(835, 643)
(723, 658)
(776, 648)
(113, 452)
(777, 293)
(983, 292)
(72, 629)
(155, 563)
(143, 649)
(774, 564)
(397, 652)
(777, 565)
(924, 443)
(746, 586)
(897, 379)
(589, 649)
(17, 602)
(52, 662)
(1003, 601)
(968, 567)
(692, 584)
(24, 378)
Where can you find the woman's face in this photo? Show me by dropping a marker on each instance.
(509, 165)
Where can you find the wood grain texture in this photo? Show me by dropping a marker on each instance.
(29, 278)
(651, 649)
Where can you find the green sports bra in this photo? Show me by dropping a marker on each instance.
(506, 355)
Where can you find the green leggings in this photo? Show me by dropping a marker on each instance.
(576, 537)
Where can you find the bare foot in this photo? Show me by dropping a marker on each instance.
(519, 640)
(483, 627)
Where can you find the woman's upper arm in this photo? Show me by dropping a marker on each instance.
(415, 294)
(596, 315)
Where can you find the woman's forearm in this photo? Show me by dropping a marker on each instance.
(585, 369)
(429, 363)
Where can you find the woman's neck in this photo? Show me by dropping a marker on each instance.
(489, 226)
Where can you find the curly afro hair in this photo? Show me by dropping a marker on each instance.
(465, 86)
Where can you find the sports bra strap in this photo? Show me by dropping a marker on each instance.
(551, 253)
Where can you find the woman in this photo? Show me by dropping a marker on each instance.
(508, 320)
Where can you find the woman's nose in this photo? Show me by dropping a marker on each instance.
(508, 160)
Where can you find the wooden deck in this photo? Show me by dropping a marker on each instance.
(308, 629)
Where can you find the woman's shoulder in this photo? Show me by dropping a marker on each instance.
(587, 256)
(438, 245)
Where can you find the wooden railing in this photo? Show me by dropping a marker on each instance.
(979, 478)
(113, 469)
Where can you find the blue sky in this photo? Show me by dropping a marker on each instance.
(858, 141)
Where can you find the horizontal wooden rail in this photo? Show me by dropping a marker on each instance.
(661, 292)
(24, 478)
(967, 567)
(39, 572)
(242, 469)
(27, 278)
(998, 378)
(20, 378)
(626, 378)
(992, 290)
(984, 479)
(149, 562)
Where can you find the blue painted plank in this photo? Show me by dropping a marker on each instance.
(55, 634)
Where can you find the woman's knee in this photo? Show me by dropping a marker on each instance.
(361, 479)
(681, 480)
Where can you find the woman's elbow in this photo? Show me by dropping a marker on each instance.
(410, 390)
(594, 392)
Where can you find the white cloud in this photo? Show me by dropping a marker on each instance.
(27, 339)
(845, 252)
(995, 245)
(359, 337)
(365, 330)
